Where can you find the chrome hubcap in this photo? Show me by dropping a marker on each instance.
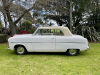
(20, 50)
(72, 51)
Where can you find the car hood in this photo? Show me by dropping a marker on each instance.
(24, 35)
(19, 36)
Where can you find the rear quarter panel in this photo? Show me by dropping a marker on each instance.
(68, 42)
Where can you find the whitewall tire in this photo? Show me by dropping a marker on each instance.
(20, 50)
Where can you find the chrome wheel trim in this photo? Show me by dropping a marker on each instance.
(72, 51)
(20, 50)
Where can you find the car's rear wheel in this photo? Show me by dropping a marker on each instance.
(73, 52)
(20, 50)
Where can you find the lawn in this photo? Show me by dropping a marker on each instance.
(87, 63)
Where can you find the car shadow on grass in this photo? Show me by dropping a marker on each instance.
(55, 53)
(46, 53)
(84, 53)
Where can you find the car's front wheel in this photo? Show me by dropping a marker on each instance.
(20, 50)
(73, 52)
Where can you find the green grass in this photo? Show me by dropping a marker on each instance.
(87, 63)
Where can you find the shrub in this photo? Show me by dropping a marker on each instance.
(26, 25)
(32, 30)
(3, 38)
(88, 32)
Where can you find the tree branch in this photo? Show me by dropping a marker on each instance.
(26, 11)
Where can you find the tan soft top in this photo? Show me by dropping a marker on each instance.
(65, 30)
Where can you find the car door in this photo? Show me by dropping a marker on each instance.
(43, 43)
(60, 41)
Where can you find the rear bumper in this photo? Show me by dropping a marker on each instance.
(88, 47)
(85, 49)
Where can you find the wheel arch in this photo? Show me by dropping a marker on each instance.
(72, 48)
(19, 45)
(77, 51)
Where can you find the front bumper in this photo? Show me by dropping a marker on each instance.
(8, 48)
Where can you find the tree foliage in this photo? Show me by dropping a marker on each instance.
(88, 32)
(85, 15)
(57, 7)
(7, 4)
(26, 25)
(81, 16)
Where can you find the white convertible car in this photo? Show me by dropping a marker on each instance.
(49, 39)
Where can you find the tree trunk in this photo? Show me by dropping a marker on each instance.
(70, 15)
(6, 7)
(11, 23)
(5, 20)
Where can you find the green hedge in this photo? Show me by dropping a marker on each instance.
(3, 38)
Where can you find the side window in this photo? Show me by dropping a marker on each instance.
(45, 32)
(52, 31)
(58, 32)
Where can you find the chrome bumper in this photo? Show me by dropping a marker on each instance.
(8, 48)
